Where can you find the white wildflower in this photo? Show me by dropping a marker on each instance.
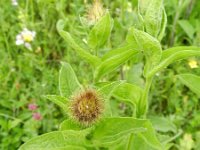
(25, 38)
(14, 2)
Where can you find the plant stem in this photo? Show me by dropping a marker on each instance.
(129, 142)
(189, 9)
(177, 15)
(144, 104)
(123, 9)
(121, 73)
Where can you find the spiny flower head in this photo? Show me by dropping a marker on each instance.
(86, 107)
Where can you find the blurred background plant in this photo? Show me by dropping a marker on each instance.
(26, 75)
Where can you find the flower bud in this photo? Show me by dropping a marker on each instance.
(95, 12)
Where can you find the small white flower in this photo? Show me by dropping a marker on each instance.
(28, 46)
(25, 38)
(14, 2)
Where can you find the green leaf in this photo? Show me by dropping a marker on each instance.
(68, 82)
(128, 92)
(120, 144)
(150, 137)
(107, 92)
(192, 81)
(114, 59)
(100, 33)
(57, 140)
(174, 54)
(166, 139)
(151, 11)
(163, 25)
(146, 44)
(94, 60)
(111, 129)
(58, 100)
(162, 124)
(187, 27)
(69, 125)
(101, 84)
(136, 142)
(13, 123)
(69, 147)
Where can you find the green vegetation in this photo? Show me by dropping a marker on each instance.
(99, 75)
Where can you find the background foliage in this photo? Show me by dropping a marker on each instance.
(27, 75)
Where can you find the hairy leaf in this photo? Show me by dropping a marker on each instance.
(100, 33)
(58, 100)
(111, 129)
(187, 27)
(94, 60)
(163, 124)
(107, 91)
(57, 140)
(128, 92)
(163, 25)
(114, 59)
(69, 125)
(192, 81)
(68, 82)
(146, 44)
(174, 54)
(152, 13)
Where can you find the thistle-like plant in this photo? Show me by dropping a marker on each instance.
(90, 123)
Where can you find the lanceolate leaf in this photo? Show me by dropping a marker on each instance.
(136, 142)
(153, 17)
(174, 54)
(57, 140)
(163, 124)
(114, 59)
(128, 92)
(187, 27)
(100, 33)
(69, 147)
(163, 25)
(107, 92)
(192, 81)
(151, 11)
(58, 100)
(69, 125)
(111, 129)
(93, 60)
(147, 44)
(68, 82)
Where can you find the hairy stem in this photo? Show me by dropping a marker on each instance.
(144, 104)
